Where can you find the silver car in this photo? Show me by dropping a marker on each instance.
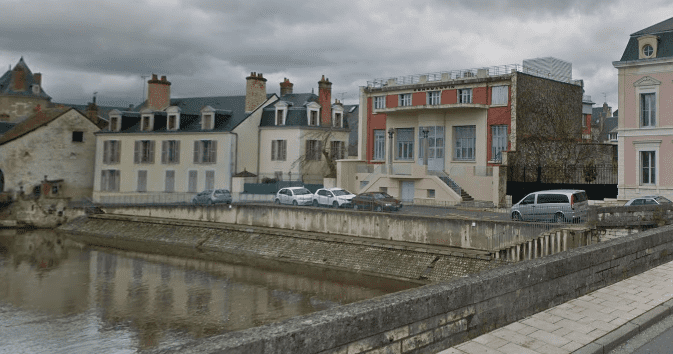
(213, 196)
(648, 200)
(561, 205)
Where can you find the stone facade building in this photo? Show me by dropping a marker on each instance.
(53, 147)
(21, 93)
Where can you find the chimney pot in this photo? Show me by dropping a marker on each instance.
(38, 78)
(154, 77)
(163, 78)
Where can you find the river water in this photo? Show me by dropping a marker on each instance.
(59, 296)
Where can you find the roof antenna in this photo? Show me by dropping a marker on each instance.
(94, 97)
(342, 95)
(605, 98)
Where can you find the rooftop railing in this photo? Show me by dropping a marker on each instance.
(466, 74)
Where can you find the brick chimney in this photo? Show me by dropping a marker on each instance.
(38, 78)
(325, 99)
(255, 91)
(158, 93)
(18, 78)
(286, 87)
(92, 112)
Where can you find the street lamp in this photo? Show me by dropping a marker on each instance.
(425, 132)
(391, 132)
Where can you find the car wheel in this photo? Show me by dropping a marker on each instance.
(294, 203)
(378, 208)
(516, 216)
(558, 217)
(335, 205)
(355, 207)
(315, 203)
(277, 201)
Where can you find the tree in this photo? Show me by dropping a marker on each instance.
(329, 143)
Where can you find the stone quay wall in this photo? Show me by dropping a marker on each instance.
(485, 235)
(437, 316)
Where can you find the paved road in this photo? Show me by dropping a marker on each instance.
(657, 339)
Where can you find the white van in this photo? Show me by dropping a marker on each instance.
(561, 205)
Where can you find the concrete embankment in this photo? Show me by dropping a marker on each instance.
(277, 248)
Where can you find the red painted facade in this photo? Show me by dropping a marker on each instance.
(449, 97)
(480, 95)
(374, 121)
(418, 99)
(498, 116)
(392, 101)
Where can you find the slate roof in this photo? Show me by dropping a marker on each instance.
(39, 119)
(609, 125)
(103, 111)
(663, 30)
(229, 113)
(296, 113)
(6, 83)
(5, 127)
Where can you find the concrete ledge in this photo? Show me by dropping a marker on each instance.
(618, 336)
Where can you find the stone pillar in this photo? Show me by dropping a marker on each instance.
(535, 248)
(552, 243)
(565, 240)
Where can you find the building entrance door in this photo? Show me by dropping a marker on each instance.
(407, 191)
(435, 147)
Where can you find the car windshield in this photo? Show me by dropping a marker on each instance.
(340, 192)
(221, 191)
(662, 200)
(301, 191)
(381, 196)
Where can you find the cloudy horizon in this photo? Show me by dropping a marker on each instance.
(208, 47)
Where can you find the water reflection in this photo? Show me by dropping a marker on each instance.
(60, 296)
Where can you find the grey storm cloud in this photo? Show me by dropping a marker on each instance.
(208, 47)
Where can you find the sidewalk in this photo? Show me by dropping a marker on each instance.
(594, 323)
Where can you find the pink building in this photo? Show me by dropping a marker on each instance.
(645, 130)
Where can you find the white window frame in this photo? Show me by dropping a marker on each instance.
(647, 122)
(149, 119)
(647, 146)
(278, 150)
(168, 146)
(111, 152)
(203, 155)
(464, 147)
(313, 117)
(114, 125)
(143, 152)
(498, 141)
(464, 95)
(647, 85)
(379, 145)
(337, 149)
(282, 114)
(404, 148)
(110, 180)
(404, 99)
(176, 122)
(313, 150)
(379, 102)
(208, 121)
(499, 95)
(434, 98)
(337, 119)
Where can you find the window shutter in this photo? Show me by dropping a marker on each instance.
(151, 159)
(197, 151)
(274, 144)
(106, 152)
(284, 149)
(116, 180)
(308, 153)
(164, 152)
(103, 180)
(177, 151)
(136, 152)
(319, 150)
(213, 152)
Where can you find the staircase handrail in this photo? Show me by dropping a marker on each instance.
(377, 171)
(448, 180)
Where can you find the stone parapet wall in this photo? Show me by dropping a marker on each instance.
(485, 235)
(434, 317)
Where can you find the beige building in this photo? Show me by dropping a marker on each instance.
(53, 145)
(298, 129)
(173, 148)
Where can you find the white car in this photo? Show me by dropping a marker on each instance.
(334, 197)
(294, 196)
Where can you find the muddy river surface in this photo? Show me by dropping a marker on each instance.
(59, 296)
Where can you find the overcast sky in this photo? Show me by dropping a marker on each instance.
(208, 47)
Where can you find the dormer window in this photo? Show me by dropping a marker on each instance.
(280, 117)
(207, 122)
(36, 89)
(172, 122)
(338, 120)
(648, 46)
(146, 122)
(313, 117)
(114, 124)
(173, 118)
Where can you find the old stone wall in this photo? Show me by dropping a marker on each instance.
(434, 317)
(49, 151)
(19, 107)
(475, 234)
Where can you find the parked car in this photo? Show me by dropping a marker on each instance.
(560, 205)
(213, 196)
(377, 201)
(334, 197)
(294, 196)
(648, 200)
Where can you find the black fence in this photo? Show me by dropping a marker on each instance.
(599, 181)
(273, 186)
